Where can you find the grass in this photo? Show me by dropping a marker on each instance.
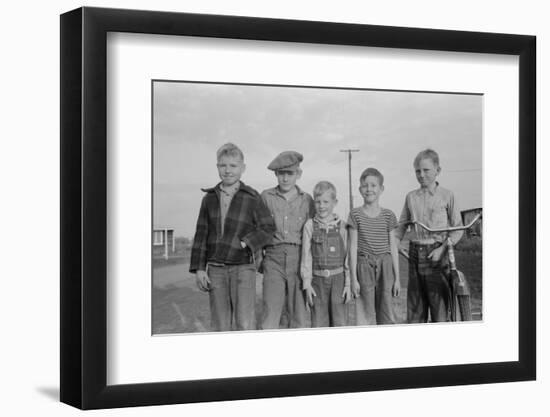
(182, 254)
(473, 244)
(179, 307)
(173, 260)
(470, 263)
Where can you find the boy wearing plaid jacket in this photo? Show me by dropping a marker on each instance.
(233, 224)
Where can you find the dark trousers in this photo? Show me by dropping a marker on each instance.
(428, 289)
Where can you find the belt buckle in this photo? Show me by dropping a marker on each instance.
(326, 273)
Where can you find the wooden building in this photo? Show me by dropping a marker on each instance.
(468, 216)
(164, 242)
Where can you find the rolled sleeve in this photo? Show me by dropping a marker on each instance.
(306, 264)
(455, 219)
(401, 227)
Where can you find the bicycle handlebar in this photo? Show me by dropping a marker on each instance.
(447, 229)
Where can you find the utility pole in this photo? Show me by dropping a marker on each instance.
(349, 151)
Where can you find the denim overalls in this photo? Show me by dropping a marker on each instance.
(328, 253)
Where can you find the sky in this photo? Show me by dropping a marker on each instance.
(192, 120)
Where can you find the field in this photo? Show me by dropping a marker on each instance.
(179, 307)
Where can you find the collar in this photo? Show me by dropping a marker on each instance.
(425, 190)
(231, 190)
(242, 187)
(332, 222)
(275, 191)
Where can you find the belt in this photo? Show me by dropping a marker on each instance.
(283, 244)
(424, 244)
(328, 272)
(368, 256)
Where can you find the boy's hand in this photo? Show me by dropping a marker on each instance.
(259, 260)
(203, 282)
(346, 294)
(396, 288)
(310, 293)
(355, 288)
(436, 254)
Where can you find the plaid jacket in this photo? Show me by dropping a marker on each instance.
(247, 220)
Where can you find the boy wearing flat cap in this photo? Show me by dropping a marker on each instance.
(290, 208)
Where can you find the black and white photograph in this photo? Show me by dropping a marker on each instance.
(234, 208)
(295, 207)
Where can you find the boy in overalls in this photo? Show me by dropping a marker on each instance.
(324, 268)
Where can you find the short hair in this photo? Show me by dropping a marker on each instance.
(323, 186)
(372, 172)
(427, 154)
(229, 149)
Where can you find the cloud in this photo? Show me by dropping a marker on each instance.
(191, 120)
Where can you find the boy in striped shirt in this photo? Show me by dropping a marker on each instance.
(374, 262)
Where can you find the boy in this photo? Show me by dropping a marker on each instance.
(436, 207)
(290, 208)
(374, 259)
(233, 224)
(324, 256)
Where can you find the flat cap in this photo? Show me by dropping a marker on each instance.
(286, 160)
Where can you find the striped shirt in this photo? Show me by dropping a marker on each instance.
(373, 233)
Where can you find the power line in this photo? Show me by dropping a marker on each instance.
(462, 170)
(349, 151)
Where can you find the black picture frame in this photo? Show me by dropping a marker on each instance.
(84, 207)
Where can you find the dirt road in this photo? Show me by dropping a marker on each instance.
(179, 307)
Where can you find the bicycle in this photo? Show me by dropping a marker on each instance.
(461, 309)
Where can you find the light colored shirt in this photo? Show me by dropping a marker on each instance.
(306, 263)
(437, 209)
(226, 195)
(373, 233)
(289, 215)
